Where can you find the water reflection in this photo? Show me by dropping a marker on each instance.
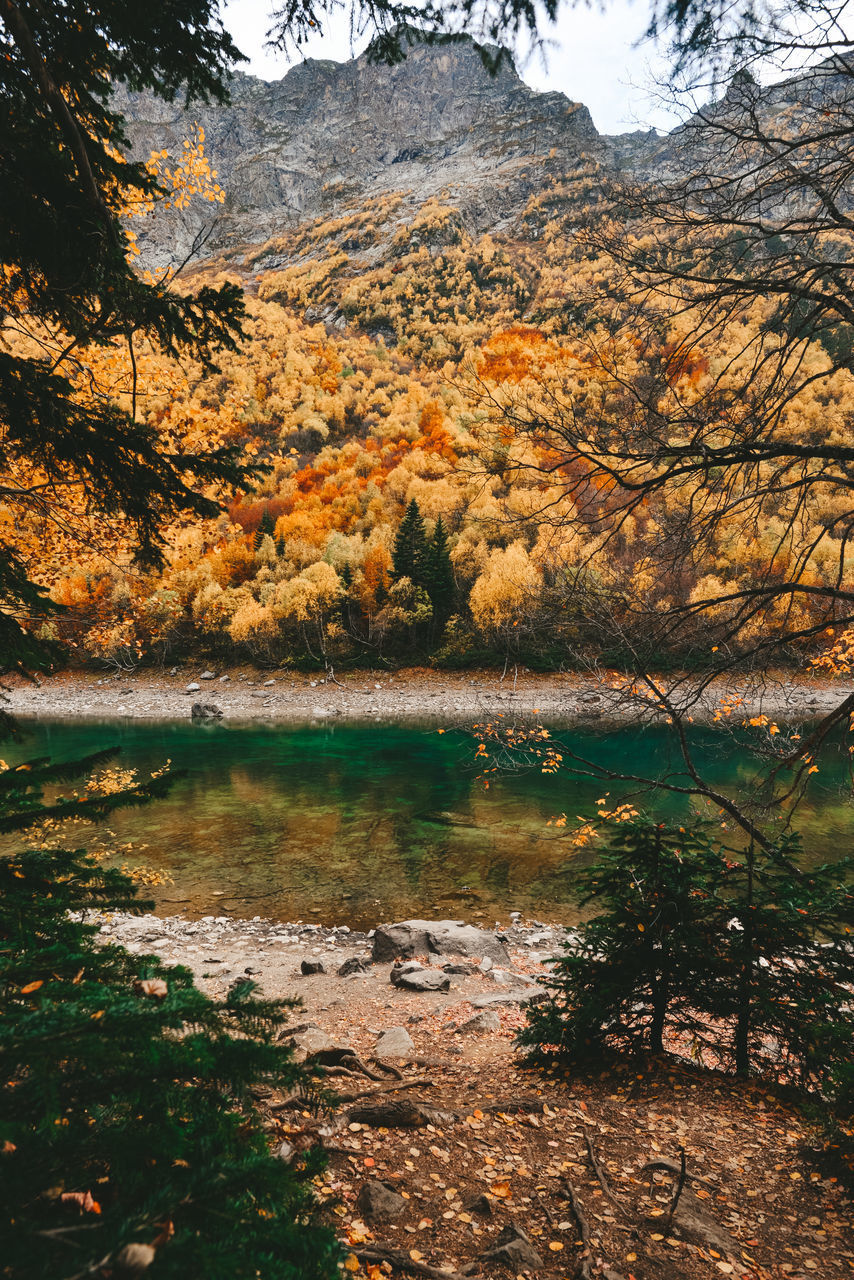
(351, 823)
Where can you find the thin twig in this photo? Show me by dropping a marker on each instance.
(683, 1174)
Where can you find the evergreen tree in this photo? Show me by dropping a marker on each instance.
(439, 575)
(68, 267)
(266, 528)
(730, 951)
(410, 552)
(128, 1135)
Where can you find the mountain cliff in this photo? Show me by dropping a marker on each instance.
(334, 135)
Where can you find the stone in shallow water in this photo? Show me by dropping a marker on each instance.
(205, 711)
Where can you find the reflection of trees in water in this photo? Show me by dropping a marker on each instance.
(279, 820)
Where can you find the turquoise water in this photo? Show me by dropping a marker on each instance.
(354, 823)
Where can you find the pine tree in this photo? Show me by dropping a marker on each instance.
(68, 271)
(266, 527)
(730, 950)
(439, 575)
(409, 554)
(128, 1135)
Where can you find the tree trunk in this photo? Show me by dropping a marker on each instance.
(745, 979)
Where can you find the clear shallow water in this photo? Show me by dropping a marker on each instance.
(357, 823)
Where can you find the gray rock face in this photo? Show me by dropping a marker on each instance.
(444, 937)
(513, 1249)
(329, 134)
(395, 1043)
(378, 1202)
(330, 137)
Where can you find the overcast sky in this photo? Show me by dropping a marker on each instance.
(597, 58)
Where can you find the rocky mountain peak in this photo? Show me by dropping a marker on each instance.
(333, 134)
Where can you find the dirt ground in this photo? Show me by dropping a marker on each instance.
(474, 1143)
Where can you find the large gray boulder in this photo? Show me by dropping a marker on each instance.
(409, 938)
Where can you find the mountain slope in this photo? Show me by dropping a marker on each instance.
(330, 135)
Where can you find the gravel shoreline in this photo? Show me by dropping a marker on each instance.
(244, 693)
(334, 971)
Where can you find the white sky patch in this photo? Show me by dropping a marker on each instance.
(598, 58)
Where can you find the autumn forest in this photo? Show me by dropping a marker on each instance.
(506, 464)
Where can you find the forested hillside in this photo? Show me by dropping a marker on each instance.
(411, 361)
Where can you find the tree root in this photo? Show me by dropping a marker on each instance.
(399, 1113)
(601, 1177)
(680, 1186)
(401, 1261)
(585, 1262)
(391, 1087)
